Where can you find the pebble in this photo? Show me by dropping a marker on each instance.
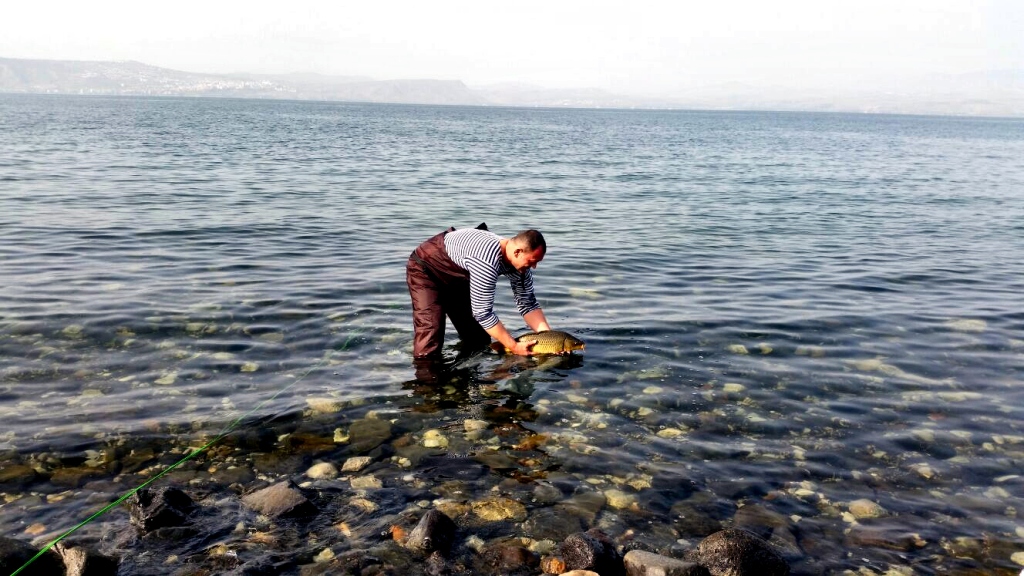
(1018, 558)
(366, 483)
(738, 349)
(619, 499)
(475, 425)
(499, 508)
(434, 439)
(356, 463)
(967, 325)
(733, 388)
(322, 471)
(865, 508)
(249, 367)
(670, 433)
(167, 379)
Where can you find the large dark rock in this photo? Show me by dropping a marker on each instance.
(150, 509)
(435, 531)
(735, 552)
(591, 550)
(15, 553)
(640, 563)
(281, 500)
(367, 434)
(80, 561)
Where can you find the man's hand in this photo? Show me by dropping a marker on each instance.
(523, 348)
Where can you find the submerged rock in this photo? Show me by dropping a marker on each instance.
(15, 553)
(282, 500)
(79, 561)
(151, 509)
(640, 563)
(367, 434)
(435, 531)
(591, 550)
(734, 552)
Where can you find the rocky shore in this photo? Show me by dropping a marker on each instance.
(349, 488)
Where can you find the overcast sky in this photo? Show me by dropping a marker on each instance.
(636, 47)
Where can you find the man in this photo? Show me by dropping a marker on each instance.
(455, 273)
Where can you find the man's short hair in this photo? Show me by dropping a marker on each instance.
(531, 240)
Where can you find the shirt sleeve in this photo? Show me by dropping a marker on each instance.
(522, 289)
(482, 279)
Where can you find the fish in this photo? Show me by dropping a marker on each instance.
(548, 342)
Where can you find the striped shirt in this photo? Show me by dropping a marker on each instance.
(479, 253)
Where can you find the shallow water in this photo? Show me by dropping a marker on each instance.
(786, 311)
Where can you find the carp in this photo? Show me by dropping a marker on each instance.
(548, 342)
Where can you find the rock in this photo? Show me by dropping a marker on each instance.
(79, 561)
(15, 553)
(322, 471)
(356, 463)
(882, 537)
(435, 532)
(640, 563)
(498, 508)
(367, 434)
(369, 482)
(734, 552)
(585, 505)
(760, 521)
(865, 508)
(508, 558)
(620, 499)
(591, 550)
(164, 507)
(17, 476)
(281, 500)
(552, 565)
(551, 523)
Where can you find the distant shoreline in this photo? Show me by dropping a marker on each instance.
(515, 106)
(999, 98)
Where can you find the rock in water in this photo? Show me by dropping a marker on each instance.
(80, 561)
(640, 563)
(282, 500)
(592, 550)
(734, 552)
(435, 532)
(159, 508)
(15, 553)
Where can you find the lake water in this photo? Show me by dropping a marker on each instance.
(787, 316)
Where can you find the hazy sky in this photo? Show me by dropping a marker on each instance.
(637, 46)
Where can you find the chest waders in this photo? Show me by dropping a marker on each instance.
(439, 288)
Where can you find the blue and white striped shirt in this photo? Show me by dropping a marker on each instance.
(479, 253)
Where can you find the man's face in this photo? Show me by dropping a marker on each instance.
(522, 259)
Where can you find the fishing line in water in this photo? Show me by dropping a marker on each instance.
(227, 430)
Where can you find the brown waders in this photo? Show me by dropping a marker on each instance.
(439, 288)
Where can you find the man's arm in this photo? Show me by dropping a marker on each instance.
(501, 334)
(535, 319)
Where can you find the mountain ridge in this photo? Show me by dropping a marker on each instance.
(999, 93)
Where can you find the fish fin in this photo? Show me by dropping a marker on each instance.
(499, 347)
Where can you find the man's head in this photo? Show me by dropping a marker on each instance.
(526, 249)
